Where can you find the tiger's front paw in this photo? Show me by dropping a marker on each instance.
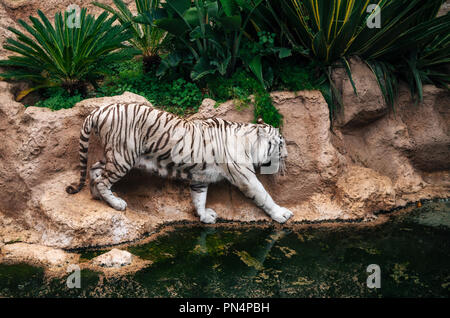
(209, 216)
(281, 215)
(118, 204)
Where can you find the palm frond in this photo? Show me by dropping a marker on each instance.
(58, 54)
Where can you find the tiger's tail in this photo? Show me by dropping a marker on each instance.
(84, 145)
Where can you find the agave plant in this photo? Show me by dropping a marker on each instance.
(62, 54)
(146, 38)
(433, 61)
(333, 31)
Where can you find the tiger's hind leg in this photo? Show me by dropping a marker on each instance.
(112, 173)
(94, 173)
(199, 192)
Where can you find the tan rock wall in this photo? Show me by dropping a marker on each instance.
(341, 174)
(373, 159)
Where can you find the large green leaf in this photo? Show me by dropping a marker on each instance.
(208, 31)
(229, 6)
(202, 68)
(192, 16)
(256, 67)
(174, 26)
(179, 6)
(231, 23)
(146, 38)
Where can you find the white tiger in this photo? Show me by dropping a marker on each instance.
(201, 151)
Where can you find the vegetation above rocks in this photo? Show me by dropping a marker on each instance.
(409, 42)
(183, 97)
(229, 49)
(145, 38)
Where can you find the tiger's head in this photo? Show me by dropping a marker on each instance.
(270, 150)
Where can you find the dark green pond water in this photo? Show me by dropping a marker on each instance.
(412, 251)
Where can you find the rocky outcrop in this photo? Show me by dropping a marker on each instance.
(22, 9)
(363, 106)
(373, 159)
(114, 258)
(37, 254)
(348, 173)
(410, 145)
(363, 189)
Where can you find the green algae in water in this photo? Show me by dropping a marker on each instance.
(20, 280)
(87, 255)
(412, 250)
(23, 280)
(434, 214)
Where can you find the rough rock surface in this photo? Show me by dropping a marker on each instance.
(445, 8)
(115, 258)
(22, 9)
(360, 189)
(345, 174)
(35, 253)
(367, 104)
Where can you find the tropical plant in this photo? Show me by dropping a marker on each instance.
(146, 38)
(432, 63)
(333, 29)
(57, 98)
(209, 33)
(330, 32)
(240, 86)
(175, 95)
(63, 54)
(261, 54)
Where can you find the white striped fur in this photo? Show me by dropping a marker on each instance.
(201, 151)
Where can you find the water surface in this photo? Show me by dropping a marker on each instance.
(412, 251)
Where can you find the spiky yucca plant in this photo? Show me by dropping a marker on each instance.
(62, 54)
(333, 31)
(146, 38)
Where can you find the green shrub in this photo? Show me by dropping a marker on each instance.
(261, 56)
(63, 55)
(295, 75)
(239, 87)
(265, 109)
(177, 96)
(57, 98)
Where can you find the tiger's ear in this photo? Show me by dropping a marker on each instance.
(262, 132)
(260, 120)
